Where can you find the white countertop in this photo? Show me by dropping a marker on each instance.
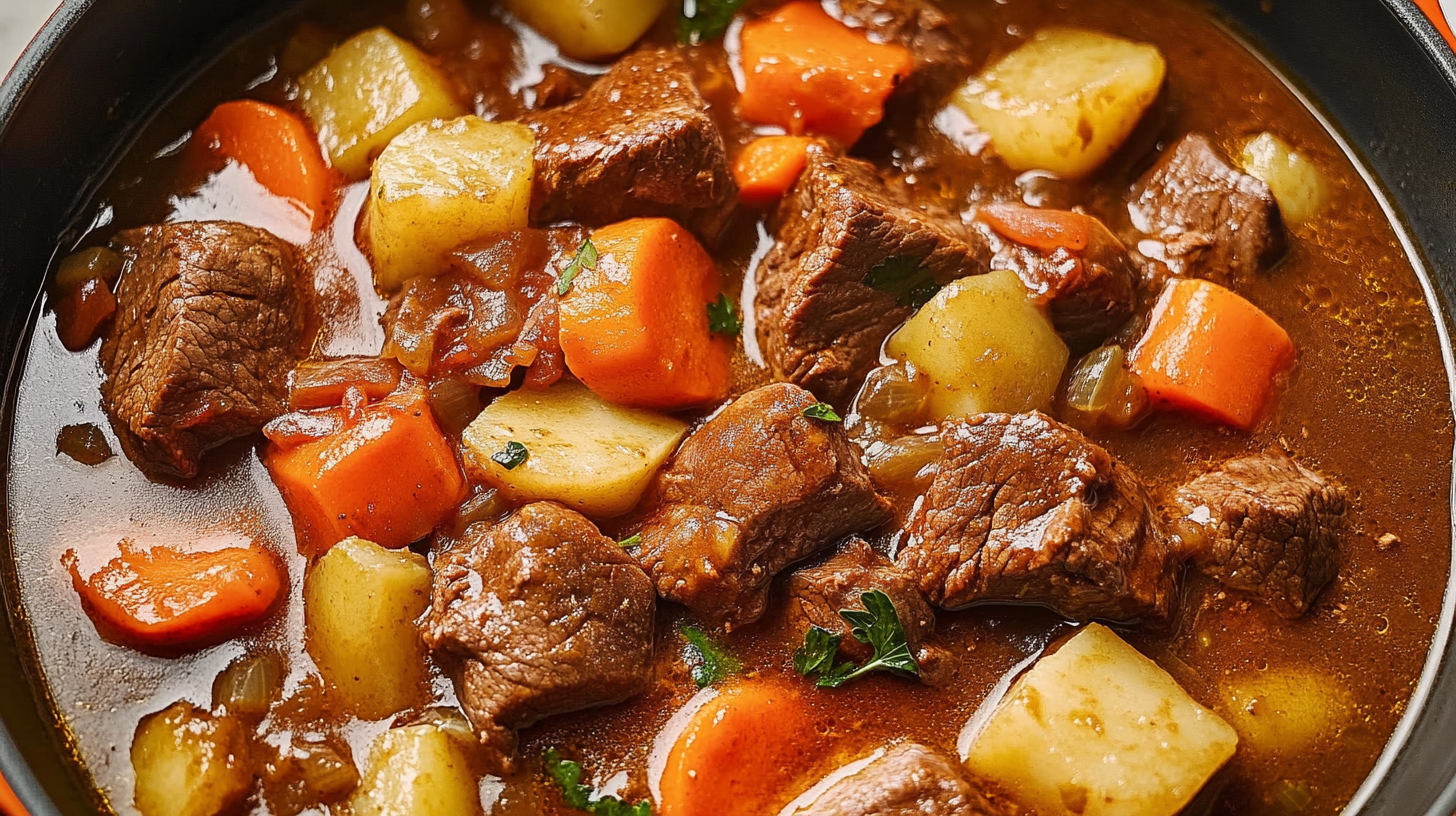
(19, 21)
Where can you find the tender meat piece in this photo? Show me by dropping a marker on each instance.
(908, 780)
(819, 323)
(757, 488)
(1027, 510)
(816, 594)
(1265, 525)
(550, 615)
(934, 36)
(1198, 217)
(638, 143)
(1089, 291)
(557, 87)
(209, 322)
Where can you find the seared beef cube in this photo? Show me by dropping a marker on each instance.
(1027, 510)
(908, 780)
(1267, 526)
(550, 617)
(821, 325)
(935, 38)
(1201, 218)
(816, 594)
(755, 489)
(638, 143)
(209, 322)
(1089, 290)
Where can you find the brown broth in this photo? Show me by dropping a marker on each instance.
(1369, 405)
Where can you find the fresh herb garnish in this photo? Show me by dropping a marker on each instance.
(704, 20)
(878, 625)
(903, 277)
(630, 541)
(710, 662)
(567, 775)
(586, 258)
(723, 317)
(822, 411)
(512, 457)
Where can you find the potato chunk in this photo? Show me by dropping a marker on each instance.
(590, 29)
(419, 770)
(1300, 188)
(1065, 100)
(367, 92)
(360, 603)
(1283, 712)
(190, 763)
(581, 450)
(986, 346)
(1099, 730)
(442, 184)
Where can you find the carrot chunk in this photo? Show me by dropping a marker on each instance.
(634, 325)
(1211, 352)
(279, 149)
(383, 472)
(1039, 229)
(739, 754)
(165, 599)
(768, 167)
(809, 73)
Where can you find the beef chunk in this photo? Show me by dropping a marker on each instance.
(757, 488)
(209, 322)
(908, 780)
(1264, 525)
(549, 615)
(1089, 290)
(638, 143)
(935, 38)
(816, 594)
(1025, 509)
(1198, 217)
(819, 323)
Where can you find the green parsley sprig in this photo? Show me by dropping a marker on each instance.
(586, 258)
(701, 21)
(723, 317)
(823, 411)
(512, 456)
(878, 625)
(903, 277)
(711, 662)
(567, 775)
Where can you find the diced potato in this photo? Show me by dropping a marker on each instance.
(590, 29)
(367, 91)
(441, 184)
(985, 346)
(360, 604)
(1097, 729)
(417, 771)
(1300, 188)
(190, 763)
(581, 450)
(1286, 711)
(1065, 100)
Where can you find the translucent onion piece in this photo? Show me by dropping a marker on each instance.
(87, 264)
(328, 774)
(85, 443)
(485, 506)
(895, 394)
(322, 383)
(450, 721)
(455, 403)
(1096, 381)
(247, 687)
(905, 463)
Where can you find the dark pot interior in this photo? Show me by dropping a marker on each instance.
(1376, 69)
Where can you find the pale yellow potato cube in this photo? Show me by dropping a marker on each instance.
(985, 346)
(590, 29)
(419, 770)
(1300, 188)
(1097, 729)
(442, 184)
(360, 604)
(589, 454)
(1065, 101)
(190, 763)
(1283, 712)
(367, 91)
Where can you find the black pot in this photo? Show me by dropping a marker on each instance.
(1376, 68)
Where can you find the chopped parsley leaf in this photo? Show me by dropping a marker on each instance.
(822, 411)
(903, 277)
(723, 317)
(710, 662)
(633, 540)
(586, 258)
(567, 775)
(878, 625)
(512, 457)
(700, 21)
